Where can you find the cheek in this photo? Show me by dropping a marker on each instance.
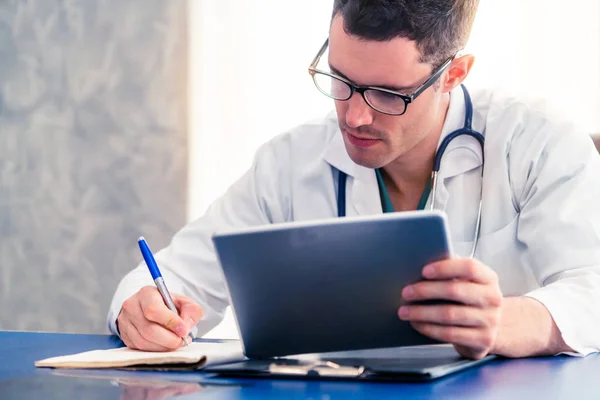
(394, 127)
(341, 107)
(420, 116)
(406, 130)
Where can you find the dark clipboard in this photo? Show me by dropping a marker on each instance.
(406, 364)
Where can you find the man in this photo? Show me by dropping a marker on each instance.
(533, 287)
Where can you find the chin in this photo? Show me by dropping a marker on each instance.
(366, 157)
(367, 160)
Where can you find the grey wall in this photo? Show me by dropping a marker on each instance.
(92, 151)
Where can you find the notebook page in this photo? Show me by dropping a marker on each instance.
(196, 353)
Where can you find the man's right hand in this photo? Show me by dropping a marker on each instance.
(146, 323)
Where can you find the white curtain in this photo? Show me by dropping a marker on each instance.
(249, 82)
(249, 79)
(541, 48)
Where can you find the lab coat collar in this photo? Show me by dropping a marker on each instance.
(462, 155)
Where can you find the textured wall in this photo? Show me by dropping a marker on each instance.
(92, 151)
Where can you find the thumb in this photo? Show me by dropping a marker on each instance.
(189, 311)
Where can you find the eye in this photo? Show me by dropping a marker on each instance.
(385, 97)
(388, 96)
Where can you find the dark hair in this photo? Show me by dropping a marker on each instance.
(439, 27)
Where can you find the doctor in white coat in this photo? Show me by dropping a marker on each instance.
(533, 287)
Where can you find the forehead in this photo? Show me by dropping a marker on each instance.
(366, 62)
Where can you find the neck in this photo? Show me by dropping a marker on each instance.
(407, 176)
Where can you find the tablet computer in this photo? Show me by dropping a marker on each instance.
(328, 285)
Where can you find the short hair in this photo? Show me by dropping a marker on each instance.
(440, 28)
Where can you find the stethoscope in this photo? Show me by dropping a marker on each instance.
(465, 130)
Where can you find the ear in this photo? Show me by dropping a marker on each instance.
(458, 71)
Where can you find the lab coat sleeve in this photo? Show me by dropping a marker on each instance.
(189, 264)
(555, 174)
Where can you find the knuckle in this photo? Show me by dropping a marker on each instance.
(449, 314)
(148, 288)
(492, 298)
(454, 290)
(487, 340)
(496, 299)
(128, 305)
(146, 291)
(418, 290)
(151, 312)
(192, 310)
(472, 267)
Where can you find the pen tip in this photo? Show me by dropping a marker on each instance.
(141, 238)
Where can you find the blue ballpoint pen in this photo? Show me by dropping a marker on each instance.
(158, 279)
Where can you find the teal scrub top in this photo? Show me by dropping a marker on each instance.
(386, 203)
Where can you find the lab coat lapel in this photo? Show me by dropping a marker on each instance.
(362, 192)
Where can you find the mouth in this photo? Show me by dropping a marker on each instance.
(361, 141)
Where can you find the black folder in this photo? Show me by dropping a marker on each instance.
(416, 363)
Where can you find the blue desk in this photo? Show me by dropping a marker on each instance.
(544, 378)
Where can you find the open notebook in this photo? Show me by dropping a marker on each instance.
(195, 356)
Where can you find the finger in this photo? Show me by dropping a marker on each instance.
(465, 292)
(155, 310)
(126, 340)
(444, 315)
(134, 340)
(122, 322)
(460, 268)
(189, 311)
(151, 331)
(480, 341)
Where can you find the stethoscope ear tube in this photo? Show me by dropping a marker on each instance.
(465, 130)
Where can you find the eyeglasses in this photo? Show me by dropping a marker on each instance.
(382, 100)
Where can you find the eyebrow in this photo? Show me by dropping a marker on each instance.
(401, 89)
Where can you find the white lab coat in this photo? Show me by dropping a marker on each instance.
(540, 228)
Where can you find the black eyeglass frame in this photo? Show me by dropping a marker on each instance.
(313, 71)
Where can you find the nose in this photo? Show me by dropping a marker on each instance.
(358, 113)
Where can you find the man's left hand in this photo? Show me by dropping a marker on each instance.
(471, 325)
